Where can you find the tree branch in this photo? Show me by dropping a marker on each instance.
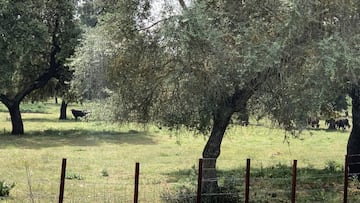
(54, 65)
(5, 100)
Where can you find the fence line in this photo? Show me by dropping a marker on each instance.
(287, 178)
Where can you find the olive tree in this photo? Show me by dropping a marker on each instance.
(199, 67)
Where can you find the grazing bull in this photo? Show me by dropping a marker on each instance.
(331, 123)
(314, 122)
(79, 113)
(342, 123)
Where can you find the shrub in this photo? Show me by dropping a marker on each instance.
(5, 188)
(33, 108)
(73, 176)
(104, 173)
(332, 166)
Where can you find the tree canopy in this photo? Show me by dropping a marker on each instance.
(198, 67)
(36, 38)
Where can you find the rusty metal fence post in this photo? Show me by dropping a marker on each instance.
(198, 195)
(293, 184)
(62, 181)
(136, 184)
(247, 181)
(346, 176)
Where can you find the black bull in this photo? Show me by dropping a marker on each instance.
(337, 124)
(79, 113)
(314, 122)
(342, 123)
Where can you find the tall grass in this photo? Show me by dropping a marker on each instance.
(168, 159)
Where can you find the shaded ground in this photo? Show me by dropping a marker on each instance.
(76, 137)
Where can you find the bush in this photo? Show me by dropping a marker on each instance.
(332, 166)
(104, 173)
(33, 108)
(73, 176)
(5, 188)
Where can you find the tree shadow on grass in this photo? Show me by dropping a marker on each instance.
(329, 131)
(39, 120)
(75, 137)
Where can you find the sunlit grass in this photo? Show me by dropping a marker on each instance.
(92, 147)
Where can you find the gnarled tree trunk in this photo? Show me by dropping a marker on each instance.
(63, 108)
(16, 120)
(212, 149)
(353, 146)
(222, 117)
(13, 106)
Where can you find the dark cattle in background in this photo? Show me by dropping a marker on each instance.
(337, 124)
(342, 123)
(243, 118)
(79, 113)
(314, 122)
(331, 123)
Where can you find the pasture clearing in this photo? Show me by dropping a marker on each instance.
(101, 160)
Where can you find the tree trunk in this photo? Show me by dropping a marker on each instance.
(16, 120)
(212, 149)
(63, 108)
(353, 146)
(13, 103)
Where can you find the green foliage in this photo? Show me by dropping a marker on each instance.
(332, 166)
(73, 176)
(26, 54)
(271, 183)
(33, 108)
(88, 13)
(89, 64)
(179, 72)
(5, 188)
(186, 190)
(37, 107)
(320, 68)
(104, 173)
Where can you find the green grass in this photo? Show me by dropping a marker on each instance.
(168, 160)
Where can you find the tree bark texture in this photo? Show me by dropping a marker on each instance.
(212, 149)
(353, 146)
(16, 120)
(221, 120)
(63, 108)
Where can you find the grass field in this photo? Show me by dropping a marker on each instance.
(101, 159)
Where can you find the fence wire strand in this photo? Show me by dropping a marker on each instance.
(272, 182)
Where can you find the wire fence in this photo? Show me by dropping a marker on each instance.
(280, 182)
